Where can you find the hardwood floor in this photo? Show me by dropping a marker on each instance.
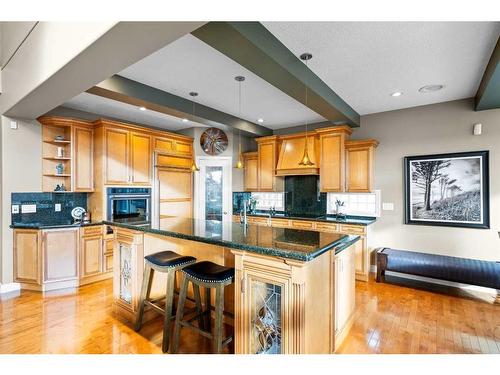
(389, 319)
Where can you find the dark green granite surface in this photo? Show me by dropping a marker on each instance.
(51, 225)
(280, 242)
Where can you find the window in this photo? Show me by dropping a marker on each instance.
(359, 204)
(266, 201)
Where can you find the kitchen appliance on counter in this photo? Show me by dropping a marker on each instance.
(129, 205)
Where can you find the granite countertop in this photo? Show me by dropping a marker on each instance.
(280, 242)
(49, 225)
(353, 220)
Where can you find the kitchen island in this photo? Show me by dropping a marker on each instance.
(293, 290)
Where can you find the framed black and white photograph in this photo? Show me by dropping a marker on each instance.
(448, 190)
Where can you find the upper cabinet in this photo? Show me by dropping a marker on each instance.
(67, 154)
(332, 155)
(266, 161)
(140, 158)
(116, 156)
(343, 165)
(360, 155)
(250, 161)
(83, 162)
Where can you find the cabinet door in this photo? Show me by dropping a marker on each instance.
(91, 256)
(83, 159)
(361, 259)
(265, 301)
(27, 262)
(60, 254)
(175, 192)
(359, 169)
(141, 155)
(251, 182)
(266, 165)
(332, 165)
(116, 156)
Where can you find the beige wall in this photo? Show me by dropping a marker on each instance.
(438, 128)
(21, 167)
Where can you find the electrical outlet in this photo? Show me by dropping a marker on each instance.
(388, 206)
(57, 207)
(13, 125)
(15, 208)
(28, 208)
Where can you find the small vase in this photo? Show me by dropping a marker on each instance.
(59, 168)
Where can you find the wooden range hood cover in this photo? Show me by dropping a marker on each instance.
(291, 152)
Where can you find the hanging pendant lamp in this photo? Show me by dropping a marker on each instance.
(306, 160)
(194, 167)
(239, 164)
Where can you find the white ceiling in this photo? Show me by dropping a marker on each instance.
(189, 64)
(118, 110)
(364, 62)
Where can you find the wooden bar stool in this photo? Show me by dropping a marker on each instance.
(166, 262)
(210, 276)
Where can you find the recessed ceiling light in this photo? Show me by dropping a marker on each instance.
(396, 94)
(430, 88)
(261, 120)
(142, 108)
(185, 120)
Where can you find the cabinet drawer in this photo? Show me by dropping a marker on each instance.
(95, 230)
(300, 224)
(352, 229)
(280, 223)
(327, 227)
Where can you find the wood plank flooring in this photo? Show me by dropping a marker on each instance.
(389, 319)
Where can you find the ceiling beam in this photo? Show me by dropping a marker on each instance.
(135, 93)
(254, 47)
(488, 93)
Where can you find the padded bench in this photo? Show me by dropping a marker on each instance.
(460, 270)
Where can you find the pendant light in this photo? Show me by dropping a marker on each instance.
(194, 167)
(239, 164)
(306, 160)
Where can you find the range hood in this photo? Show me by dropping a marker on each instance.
(291, 152)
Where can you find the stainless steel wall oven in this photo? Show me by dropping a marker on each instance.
(129, 205)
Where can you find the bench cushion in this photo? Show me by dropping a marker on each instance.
(460, 270)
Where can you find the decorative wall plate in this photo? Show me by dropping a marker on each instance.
(213, 141)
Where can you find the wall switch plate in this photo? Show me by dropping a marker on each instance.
(388, 206)
(28, 208)
(57, 207)
(13, 125)
(15, 208)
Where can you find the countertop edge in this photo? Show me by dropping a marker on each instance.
(366, 220)
(339, 245)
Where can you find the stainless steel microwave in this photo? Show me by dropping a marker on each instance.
(129, 205)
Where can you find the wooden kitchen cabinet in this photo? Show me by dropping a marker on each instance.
(344, 293)
(95, 255)
(251, 182)
(27, 257)
(60, 254)
(83, 160)
(140, 162)
(359, 159)
(332, 157)
(267, 158)
(116, 156)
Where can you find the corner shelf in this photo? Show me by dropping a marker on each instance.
(56, 158)
(57, 142)
(57, 175)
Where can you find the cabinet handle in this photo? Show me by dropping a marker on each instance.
(243, 285)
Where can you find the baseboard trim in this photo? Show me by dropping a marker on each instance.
(10, 287)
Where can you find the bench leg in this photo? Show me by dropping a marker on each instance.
(381, 266)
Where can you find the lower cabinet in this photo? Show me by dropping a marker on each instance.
(46, 259)
(51, 259)
(344, 265)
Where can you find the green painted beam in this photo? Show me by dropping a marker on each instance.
(135, 93)
(488, 93)
(254, 47)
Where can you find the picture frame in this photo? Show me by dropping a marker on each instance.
(449, 190)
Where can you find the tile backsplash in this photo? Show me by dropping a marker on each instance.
(45, 204)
